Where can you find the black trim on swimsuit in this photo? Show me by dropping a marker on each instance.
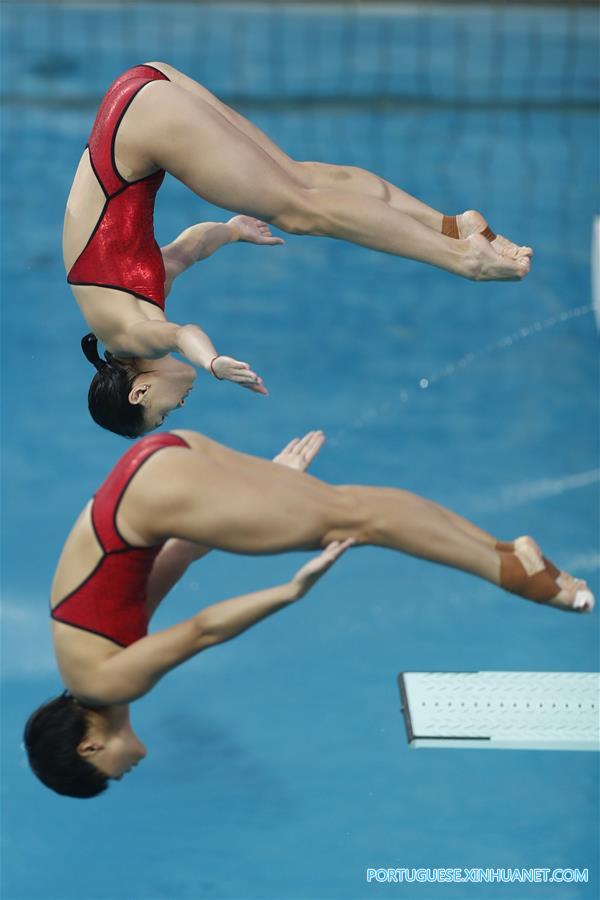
(114, 287)
(95, 530)
(118, 124)
(128, 482)
(79, 587)
(129, 546)
(91, 237)
(109, 197)
(93, 631)
(137, 181)
(154, 69)
(98, 179)
(82, 584)
(95, 570)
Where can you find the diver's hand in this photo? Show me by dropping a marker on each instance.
(224, 368)
(300, 452)
(310, 573)
(253, 231)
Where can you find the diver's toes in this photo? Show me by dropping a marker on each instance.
(584, 600)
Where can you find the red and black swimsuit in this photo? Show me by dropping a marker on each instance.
(111, 601)
(122, 252)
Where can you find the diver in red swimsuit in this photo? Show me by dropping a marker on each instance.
(122, 255)
(167, 502)
(107, 586)
(154, 119)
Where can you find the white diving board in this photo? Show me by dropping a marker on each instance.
(502, 710)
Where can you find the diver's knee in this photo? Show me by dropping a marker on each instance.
(349, 516)
(300, 213)
(305, 172)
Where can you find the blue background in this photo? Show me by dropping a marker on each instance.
(278, 765)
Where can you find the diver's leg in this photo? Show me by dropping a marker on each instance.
(344, 178)
(441, 536)
(177, 130)
(244, 505)
(477, 533)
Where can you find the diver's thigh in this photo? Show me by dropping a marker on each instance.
(237, 503)
(171, 128)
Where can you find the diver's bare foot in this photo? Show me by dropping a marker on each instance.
(482, 263)
(538, 579)
(472, 222)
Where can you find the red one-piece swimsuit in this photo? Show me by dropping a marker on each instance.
(121, 252)
(111, 600)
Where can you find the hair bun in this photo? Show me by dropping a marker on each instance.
(89, 345)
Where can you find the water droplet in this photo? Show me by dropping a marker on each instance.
(424, 383)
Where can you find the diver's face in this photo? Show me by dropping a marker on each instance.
(161, 387)
(111, 744)
(118, 754)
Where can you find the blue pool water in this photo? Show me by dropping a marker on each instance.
(278, 765)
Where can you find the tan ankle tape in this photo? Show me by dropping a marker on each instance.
(489, 234)
(551, 568)
(509, 547)
(450, 226)
(515, 579)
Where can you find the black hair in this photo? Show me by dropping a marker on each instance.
(108, 396)
(51, 737)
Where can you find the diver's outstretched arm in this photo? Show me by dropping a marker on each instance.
(153, 338)
(131, 673)
(201, 241)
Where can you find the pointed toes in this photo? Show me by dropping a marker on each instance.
(584, 600)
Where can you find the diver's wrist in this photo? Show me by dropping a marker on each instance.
(212, 368)
(234, 232)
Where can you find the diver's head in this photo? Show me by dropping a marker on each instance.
(52, 735)
(75, 750)
(133, 396)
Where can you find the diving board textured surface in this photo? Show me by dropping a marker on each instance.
(502, 710)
